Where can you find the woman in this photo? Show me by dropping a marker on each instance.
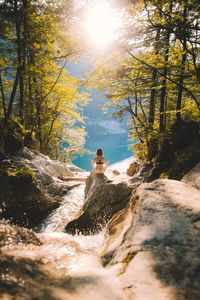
(99, 163)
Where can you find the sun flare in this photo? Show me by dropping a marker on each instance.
(102, 24)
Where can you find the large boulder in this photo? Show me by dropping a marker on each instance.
(133, 168)
(30, 187)
(23, 199)
(193, 177)
(102, 200)
(155, 243)
(46, 169)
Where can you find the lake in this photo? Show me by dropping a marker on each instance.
(114, 146)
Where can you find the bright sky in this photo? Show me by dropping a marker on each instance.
(102, 23)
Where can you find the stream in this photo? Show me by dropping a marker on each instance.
(72, 264)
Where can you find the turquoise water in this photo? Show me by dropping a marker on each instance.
(114, 146)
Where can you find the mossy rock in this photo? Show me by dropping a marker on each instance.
(17, 169)
(22, 199)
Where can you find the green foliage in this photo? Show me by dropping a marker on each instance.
(36, 90)
(154, 81)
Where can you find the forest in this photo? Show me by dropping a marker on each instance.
(126, 229)
(151, 74)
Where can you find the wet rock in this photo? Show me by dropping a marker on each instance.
(23, 199)
(155, 242)
(193, 177)
(45, 167)
(13, 235)
(116, 172)
(103, 199)
(30, 187)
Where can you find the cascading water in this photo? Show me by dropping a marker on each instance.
(68, 209)
(71, 266)
(78, 255)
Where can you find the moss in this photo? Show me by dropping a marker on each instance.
(19, 170)
(164, 175)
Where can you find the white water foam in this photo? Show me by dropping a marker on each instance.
(66, 212)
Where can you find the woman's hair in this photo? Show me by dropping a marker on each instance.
(99, 152)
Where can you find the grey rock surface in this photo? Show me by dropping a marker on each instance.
(193, 177)
(23, 199)
(103, 198)
(133, 168)
(30, 188)
(155, 242)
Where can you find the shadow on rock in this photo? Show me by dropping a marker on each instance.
(158, 239)
(103, 199)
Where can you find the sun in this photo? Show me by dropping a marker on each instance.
(102, 24)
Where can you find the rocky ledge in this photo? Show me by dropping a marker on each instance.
(103, 198)
(30, 187)
(154, 242)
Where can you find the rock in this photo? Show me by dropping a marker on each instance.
(23, 199)
(116, 172)
(12, 144)
(146, 169)
(74, 168)
(45, 167)
(193, 177)
(13, 235)
(103, 200)
(28, 154)
(148, 172)
(31, 189)
(133, 168)
(155, 242)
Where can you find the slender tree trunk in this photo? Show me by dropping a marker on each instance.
(183, 63)
(152, 99)
(164, 87)
(180, 88)
(39, 131)
(50, 132)
(154, 83)
(12, 97)
(20, 46)
(3, 96)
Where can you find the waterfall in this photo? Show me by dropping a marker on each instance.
(61, 266)
(66, 212)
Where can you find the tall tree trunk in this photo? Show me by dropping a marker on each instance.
(19, 34)
(164, 87)
(183, 63)
(180, 87)
(3, 96)
(152, 99)
(12, 97)
(154, 83)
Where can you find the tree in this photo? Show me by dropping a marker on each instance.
(156, 79)
(36, 89)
